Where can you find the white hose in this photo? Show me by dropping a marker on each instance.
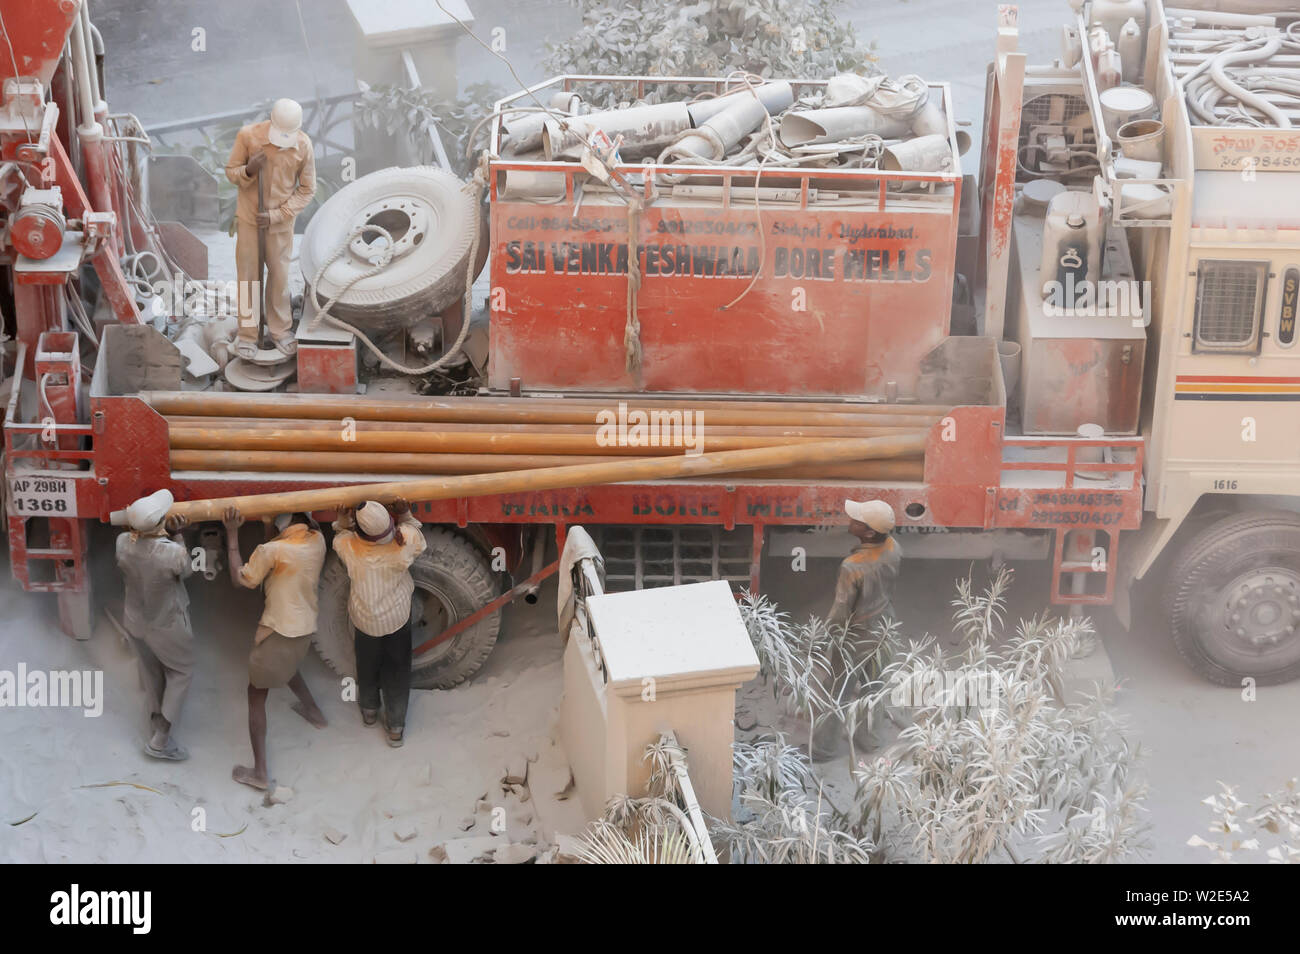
(1243, 95)
(1218, 98)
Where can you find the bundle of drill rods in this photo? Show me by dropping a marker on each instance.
(339, 435)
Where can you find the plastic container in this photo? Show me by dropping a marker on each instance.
(1123, 104)
(1072, 236)
(1142, 139)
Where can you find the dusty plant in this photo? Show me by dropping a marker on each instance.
(1275, 814)
(770, 767)
(782, 816)
(608, 844)
(417, 112)
(653, 829)
(795, 38)
(1010, 771)
(818, 670)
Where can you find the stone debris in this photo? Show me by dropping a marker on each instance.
(564, 793)
(516, 771)
(517, 853)
(396, 856)
(405, 831)
(566, 850)
(464, 851)
(279, 795)
(334, 836)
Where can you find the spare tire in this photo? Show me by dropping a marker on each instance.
(432, 221)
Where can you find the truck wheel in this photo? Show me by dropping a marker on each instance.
(1233, 599)
(452, 581)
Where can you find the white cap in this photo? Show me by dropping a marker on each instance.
(876, 514)
(286, 120)
(374, 519)
(147, 513)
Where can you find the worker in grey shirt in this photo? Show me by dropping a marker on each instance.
(157, 614)
(864, 595)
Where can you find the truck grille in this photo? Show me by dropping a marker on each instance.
(641, 557)
(1228, 299)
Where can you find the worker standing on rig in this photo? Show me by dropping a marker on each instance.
(273, 165)
(288, 566)
(157, 614)
(377, 545)
(864, 594)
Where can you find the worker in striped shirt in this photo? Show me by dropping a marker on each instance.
(377, 545)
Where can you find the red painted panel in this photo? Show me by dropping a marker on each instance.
(36, 31)
(846, 300)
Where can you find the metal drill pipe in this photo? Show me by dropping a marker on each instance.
(340, 403)
(436, 427)
(382, 464)
(227, 405)
(555, 478)
(480, 442)
(339, 462)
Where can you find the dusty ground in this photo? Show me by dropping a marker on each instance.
(344, 777)
(60, 764)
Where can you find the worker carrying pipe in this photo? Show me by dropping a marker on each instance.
(271, 160)
(377, 546)
(154, 565)
(287, 568)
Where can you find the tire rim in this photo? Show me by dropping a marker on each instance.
(432, 612)
(405, 219)
(1258, 613)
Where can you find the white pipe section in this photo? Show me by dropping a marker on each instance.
(87, 32)
(810, 126)
(89, 128)
(1215, 18)
(775, 97)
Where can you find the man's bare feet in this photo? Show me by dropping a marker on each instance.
(312, 714)
(248, 777)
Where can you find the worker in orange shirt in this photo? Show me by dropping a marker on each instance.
(377, 546)
(276, 156)
(288, 568)
(864, 594)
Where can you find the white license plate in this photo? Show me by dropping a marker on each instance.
(42, 496)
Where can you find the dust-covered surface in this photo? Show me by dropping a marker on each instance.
(57, 765)
(347, 784)
(1193, 734)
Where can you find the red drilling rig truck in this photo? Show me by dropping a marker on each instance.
(1082, 351)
